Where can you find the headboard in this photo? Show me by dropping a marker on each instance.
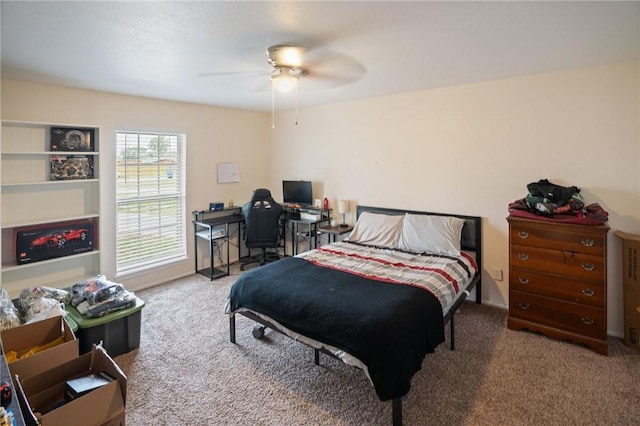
(471, 239)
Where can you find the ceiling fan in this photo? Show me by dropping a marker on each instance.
(286, 62)
(289, 62)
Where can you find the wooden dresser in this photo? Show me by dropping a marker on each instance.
(558, 280)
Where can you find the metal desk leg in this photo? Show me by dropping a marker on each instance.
(284, 237)
(195, 245)
(228, 253)
(211, 250)
(240, 240)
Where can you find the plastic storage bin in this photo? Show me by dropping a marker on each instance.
(118, 331)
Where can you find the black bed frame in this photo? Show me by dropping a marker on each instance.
(471, 240)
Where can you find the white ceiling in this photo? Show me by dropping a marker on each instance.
(157, 49)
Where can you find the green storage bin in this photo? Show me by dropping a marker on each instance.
(118, 331)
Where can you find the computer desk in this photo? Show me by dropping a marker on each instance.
(208, 224)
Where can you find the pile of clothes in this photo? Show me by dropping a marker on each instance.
(34, 304)
(97, 296)
(93, 298)
(548, 201)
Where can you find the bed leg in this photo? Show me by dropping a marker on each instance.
(453, 334)
(232, 328)
(316, 356)
(396, 411)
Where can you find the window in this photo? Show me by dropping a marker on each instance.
(150, 200)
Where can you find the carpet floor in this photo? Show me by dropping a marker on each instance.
(186, 372)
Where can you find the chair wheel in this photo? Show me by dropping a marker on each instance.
(258, 331)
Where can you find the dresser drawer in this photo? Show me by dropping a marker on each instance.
(561, 288)
(567, 316)
(544, 237)
(575, 265)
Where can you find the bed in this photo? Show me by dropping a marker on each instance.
(378, 300)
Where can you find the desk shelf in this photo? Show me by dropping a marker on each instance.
(213, 227)
(217, 237)
(213, 273)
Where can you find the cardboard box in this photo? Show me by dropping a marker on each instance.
(60, 239)
(44, 394)
(21, 339)
(631, 288)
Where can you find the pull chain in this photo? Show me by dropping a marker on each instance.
(273, 107)
(296, 104)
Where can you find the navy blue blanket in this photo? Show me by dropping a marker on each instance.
(389, 327)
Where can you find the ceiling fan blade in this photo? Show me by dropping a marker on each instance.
(333, 67)
(227, 73)
(263, 86)
(316, 81)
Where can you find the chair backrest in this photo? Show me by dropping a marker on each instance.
(262, 220)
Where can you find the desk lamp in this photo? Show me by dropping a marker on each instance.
(343, 208)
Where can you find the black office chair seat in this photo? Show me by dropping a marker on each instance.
(262, 227)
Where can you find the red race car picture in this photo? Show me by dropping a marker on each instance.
(59, 239)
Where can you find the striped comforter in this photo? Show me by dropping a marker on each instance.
(442, 276)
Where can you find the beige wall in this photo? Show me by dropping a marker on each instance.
(468, 149)
(472, 149)
(214, 135)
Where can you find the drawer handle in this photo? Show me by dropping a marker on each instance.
(587, 242)
(524, 256)
(524, 306)
(588, 266)
(588, 292)
(523, 234)
(523, 280)
(587, 320)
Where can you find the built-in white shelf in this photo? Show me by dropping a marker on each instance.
(32, 199)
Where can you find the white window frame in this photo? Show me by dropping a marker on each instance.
(148, 186)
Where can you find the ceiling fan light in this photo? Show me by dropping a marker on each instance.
(284, 82)
(282, 55)
(291, 57)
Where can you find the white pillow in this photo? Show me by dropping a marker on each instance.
(434, 234)
(381, 230)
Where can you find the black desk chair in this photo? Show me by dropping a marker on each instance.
(262, 226)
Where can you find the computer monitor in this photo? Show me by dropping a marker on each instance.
(297, 192)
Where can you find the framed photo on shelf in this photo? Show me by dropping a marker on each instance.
(68, 167)
(71, 139)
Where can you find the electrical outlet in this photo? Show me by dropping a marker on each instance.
(496, 273)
